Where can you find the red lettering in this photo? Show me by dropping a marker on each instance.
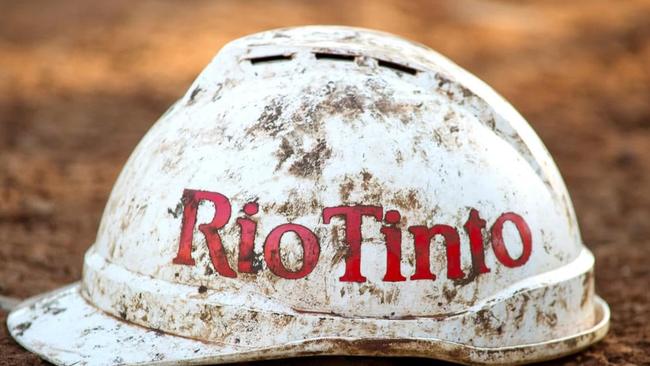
(422, 236)
(310, 247)
(248, 229)
(191, 199)
(393, 238)
(474, 227)
(500, 250)
(352, 216)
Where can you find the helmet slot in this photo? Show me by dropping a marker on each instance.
(259, 60)
(397, 67)
(333, 56)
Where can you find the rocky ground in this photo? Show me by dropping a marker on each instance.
(81, 81)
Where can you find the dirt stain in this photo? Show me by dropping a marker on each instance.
(310, 164)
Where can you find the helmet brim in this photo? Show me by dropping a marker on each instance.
(64, 329)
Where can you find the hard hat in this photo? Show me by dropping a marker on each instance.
(329, 191)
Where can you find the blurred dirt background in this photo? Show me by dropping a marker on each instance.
(81, 82)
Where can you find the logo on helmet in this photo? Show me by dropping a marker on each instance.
(352, 217)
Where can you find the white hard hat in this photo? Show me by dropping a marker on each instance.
(329, 191)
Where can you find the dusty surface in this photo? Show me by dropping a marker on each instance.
(80, 82)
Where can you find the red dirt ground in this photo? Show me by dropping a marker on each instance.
(81, 81)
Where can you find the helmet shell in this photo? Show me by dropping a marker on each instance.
(296, 122)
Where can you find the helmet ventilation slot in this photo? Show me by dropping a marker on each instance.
(333, 56)
(259, 60)
(397, 67)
